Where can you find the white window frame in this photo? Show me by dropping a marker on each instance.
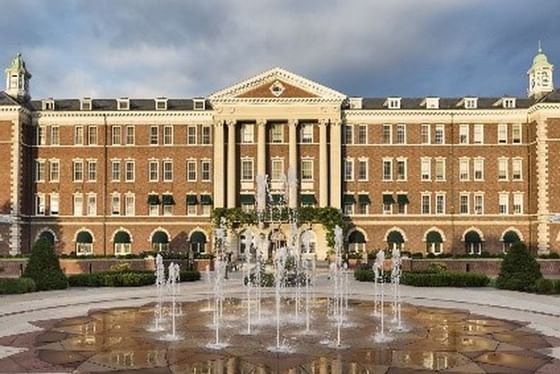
(423, 196)
(130, 135)
(191, 170)
(91, 209)
(478, 196)
(153, 173)
(307, 163)
(439, 137)
(439, 198)
(478, 168)
(115, 170)
(277, 169)
(116, 135)
(55, 135)
(426, 166)
(40, 204)
(77, 171)
(154, 135)
(168, 135)
(478, 133)
(116, 203)
(503, 203)
(78, 135)
(385, 177)
(167, 170)
(276, 133)
(206, 135)
(54, 177)
(404, 162)
(464, 134)
(425, 133)
(205, 170)
(129, 170)
(91, 170)
(516, 163)
(247, 167)
(503, 172)
(363, 166)
(54, 204)
(362, 134)
(192, 135)
(129, 204)
(348, 169)
(516, 133)
(464, 169)
(348, 133)
(502, 136)
(467, 196)
(42, 135)
(78, 204)
(247, 132)
(437, 177)
(400, 134)
(517, 207)
(306, 132)
(387, 133)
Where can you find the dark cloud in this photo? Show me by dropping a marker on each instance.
(360, 47)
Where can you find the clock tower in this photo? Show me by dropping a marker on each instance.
(540, 76)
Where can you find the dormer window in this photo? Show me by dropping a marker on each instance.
(123, 103)
(161, 103)
(471, 102)
(47, 104)
(85, 103)
(355, 102)
(199, 104)
(393, 102)
(508, 102)
(432, 103)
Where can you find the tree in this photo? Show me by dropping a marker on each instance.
(44, 268)
(519, 270)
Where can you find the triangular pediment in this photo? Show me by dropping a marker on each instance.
(277, 84)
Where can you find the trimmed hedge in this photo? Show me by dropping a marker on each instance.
(16, 285)
(124, 279)
(444, 279)
(189, 275)
(544, 286)
(44, 268)
(519, 271)
(366, 275)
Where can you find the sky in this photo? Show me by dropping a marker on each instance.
(185, 48)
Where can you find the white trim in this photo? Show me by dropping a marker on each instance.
(511, 228)
(46, 229)
(159, 228)
(473, 228)
(83, 228)
(433, 228)
(121, 229)
(395, 228)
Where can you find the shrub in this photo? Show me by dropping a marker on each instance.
(363, 275)
(189, 275)
(16, 285)
(444, 279)
(436, 267)
(544, 286)
(417, 255)
(119, 268)
(557, 286)
(44, 268)
(551, 256)
(519, 270)
(124, 279)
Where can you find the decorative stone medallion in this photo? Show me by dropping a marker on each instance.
(277, 88)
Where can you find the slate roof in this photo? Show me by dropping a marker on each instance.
(111, 104)
(444, 103)
(6, 99)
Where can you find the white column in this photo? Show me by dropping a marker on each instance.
(231, 165)
(336, 165)
(261, 147)
(323, 165)
(292, 159)
(219, 169)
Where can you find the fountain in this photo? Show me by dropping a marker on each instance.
(247, 280)
(160, 283)
(172, 284)
(380, 337)
(219, 274)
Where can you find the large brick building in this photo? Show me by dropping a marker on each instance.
(117, 176)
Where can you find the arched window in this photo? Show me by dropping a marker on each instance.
(198, 242)
(122, 245)
(308, 241)
(48, 237)
(84, 243)
(395, 240)
(356, 241)
(434, 242)
(160, 241)
(473, 243)
(510, 238)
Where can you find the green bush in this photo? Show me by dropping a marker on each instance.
(557, 286)
(189, 275)
(519, 270)
(124, 279)
(44, 268)
(544, 286)
(16, 285)
(363, 275)
(417, 255)
(444, 279)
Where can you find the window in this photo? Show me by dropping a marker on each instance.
(426, 169)
(425, 131)
(78, 206)
(92, 135)
(439, 135)
(85, 103)
(387, 170)
(401, 135)
(464, 169)
(348, 208)
(276, 133)
(161, 104)
(402, 203)
(388, 202)
(129, 135)
(362, 134)
(247, 132)
(478, 169)
(123, 103)
(115, 170)
(509, 103)
(199, 104)
(348, 134)
(307, 133)
(276, 169)
(191, 208)
(191, 170)
(516, 133)
(168, 135)
(116, 135)
(503, 203)
(440, 203)
(401, 170)
(502, 133)
(129, 170)
(78, 135)
(387, 132)
(363, 170)
(516, 167)
(191, 135)
(394, 103)
(503, 169)
(363, 208)
(206, 130)
(154, 135)
(91, 170)
(153, 205)
(440, 169)
(464, 204)
(40, 204)
(307, 170)
(517, 203)
(205, 174)
(54, 170)
(91, 204)
(478, 203)
(348, 169)
(116, 204)
(478, 135)
(167, 203)
(426, 203)
(153, 171)
(471, 102)
(77, 170)
(247, 170)
(129, 204)
(41, 135)
(206, 210)
(464, 134)
(55, 135)
(168, 171)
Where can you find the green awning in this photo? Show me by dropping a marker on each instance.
(48, 237)
(388, 199)
(395, 237)
(363, 199)
(247, 199)
(160, 237)
(206, 199)
(434, 237)
(192, 200)
(167, 200)
(356, 237)
(153, 199)
(276, 198)
(472, 237)
(122, 237)
(308, 199)
(197, 237)
(84, 237)
(402, 199)
(511, 237)
(349, 199)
